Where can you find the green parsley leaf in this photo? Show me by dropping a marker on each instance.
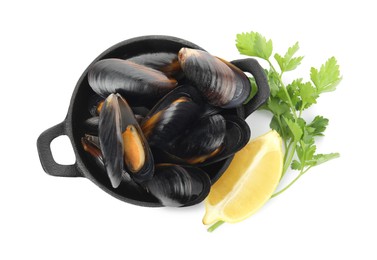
(308, 94)
(276, 107)
(296, 165)
(275, 125)
(293, 91)
(288, 63)
(273, 81)
(295, 129)
(318, 125)
(254, 44)
(322, 158)
(328, 77)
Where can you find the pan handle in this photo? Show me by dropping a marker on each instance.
(252, 66)
(45, 155)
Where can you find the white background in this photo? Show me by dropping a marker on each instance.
(330, 213)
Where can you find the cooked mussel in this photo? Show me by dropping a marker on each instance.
(91, 145)
(166, 62)
(202, 141)
(136, 82)
(162, 127)
(190, 147)
(220, 82)
(176, 185)
(171, 116)
(122, 142)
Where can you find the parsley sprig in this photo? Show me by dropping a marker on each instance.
(288, 101)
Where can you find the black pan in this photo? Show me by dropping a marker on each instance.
(72, 125)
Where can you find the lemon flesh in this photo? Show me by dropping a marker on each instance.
(249, 181)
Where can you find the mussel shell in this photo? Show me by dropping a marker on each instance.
(91, 145)
(166, 62)
(136, 82)
(167, 124)
(209, 110)
(185, 90)
(141, 111)
(176, 185)
(202, 140)
(221, 83)
(236, 137)
(169, 118)
(115, 117)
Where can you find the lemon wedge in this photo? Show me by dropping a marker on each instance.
(248, 182)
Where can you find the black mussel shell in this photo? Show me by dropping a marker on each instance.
(185, 90)
(166, 62)
(236, 137)
(142, 111)
(136, 82)
(91, 145)
(220, 82)
(176, 185)
(209, 110)
(201, 141)
(122, 143)
(171, 116)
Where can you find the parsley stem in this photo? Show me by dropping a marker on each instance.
(282, 132)
(289, 157)
(284, 89)
(291, 183)
(302, 108)
(216, 225)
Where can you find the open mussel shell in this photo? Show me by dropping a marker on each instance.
(171, 116)
(237, 135)
(166, 62)
(220, 82)
(177, 185)
(136, 82)
(91, 145)
(122, 143)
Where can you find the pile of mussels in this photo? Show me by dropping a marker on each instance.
(161, 150)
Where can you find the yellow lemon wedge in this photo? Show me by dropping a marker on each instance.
(248, 182)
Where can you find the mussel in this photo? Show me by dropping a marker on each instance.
(122, 142)
(202, 141)
(177, 185)
(220, 82)
(166, 62)
(136, 82)
(171, 116)
(91, 145)
(197, 146)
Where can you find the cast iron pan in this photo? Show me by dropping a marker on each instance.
(72, 126)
